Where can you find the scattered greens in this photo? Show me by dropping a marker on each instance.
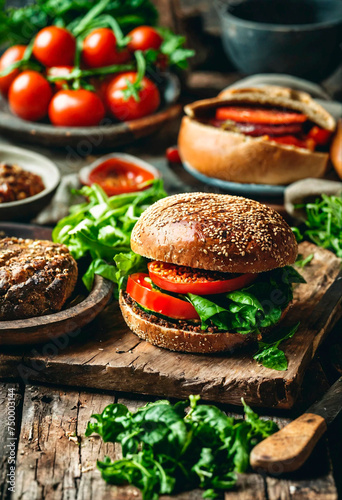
(269, 354)
(324, 223)
(167, 450)
(101, 229)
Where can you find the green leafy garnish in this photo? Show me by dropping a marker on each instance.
(259, 305)
(269, 354)
(324, 223)
(302, 262)
(167, 450)
(20, 25)
(101, 229)
(173, 48)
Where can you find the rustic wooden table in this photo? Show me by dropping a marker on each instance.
(54, 460)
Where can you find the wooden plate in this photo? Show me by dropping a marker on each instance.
(106, 135)
(80, 309)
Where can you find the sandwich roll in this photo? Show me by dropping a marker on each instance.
(267, 135)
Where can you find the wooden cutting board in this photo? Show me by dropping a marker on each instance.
(106, 355)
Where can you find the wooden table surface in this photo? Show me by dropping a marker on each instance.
(54, 460)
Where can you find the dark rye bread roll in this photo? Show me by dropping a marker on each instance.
(215, 232)
(36, 277)
(232, 156)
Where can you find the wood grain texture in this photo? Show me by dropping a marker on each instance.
(56, 461)
(5, 438)
(105, 355)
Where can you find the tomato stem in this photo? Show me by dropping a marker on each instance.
(133, 89)
(84, 73)
(88, 18)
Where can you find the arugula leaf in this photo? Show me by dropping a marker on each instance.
(101, 229)
(324, 223)
(167, 450)
(269, 354)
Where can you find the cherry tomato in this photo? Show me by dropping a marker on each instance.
(59, 71)
(54, 46)
(141, 291)
(254, 115)
(320, 136)
(100, 49)
(29, 96)
(144, 38)
(182, 279)
(10, 56)
(117, 176)
(130, 109)
(172, 155)
(76, 108)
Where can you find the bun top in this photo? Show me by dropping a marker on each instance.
(215, 232)
(267, 95)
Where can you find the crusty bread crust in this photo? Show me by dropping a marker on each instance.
(182, 340)
(216, 232)
(36, 277)
(234, 157)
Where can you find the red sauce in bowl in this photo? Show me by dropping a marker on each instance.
(117, 176)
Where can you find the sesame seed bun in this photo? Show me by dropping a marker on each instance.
(235, 157)
(177, 339)
(215, 232)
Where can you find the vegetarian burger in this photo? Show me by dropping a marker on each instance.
(219, 272)
(266, 135)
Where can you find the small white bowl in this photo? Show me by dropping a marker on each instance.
(37, 164)
(85, 171)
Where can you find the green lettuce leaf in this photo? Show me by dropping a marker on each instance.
(100, 229)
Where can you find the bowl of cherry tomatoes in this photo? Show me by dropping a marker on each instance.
(74, 84)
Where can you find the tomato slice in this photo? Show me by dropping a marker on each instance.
(141, 291)
(116, 176)
(320, 135)
(291, 140)
(182, 279)
(254, 115)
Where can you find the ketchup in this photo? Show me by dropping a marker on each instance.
(117, 176)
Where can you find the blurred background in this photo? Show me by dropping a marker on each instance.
(233, 38)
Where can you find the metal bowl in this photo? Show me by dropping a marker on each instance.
(303, 39)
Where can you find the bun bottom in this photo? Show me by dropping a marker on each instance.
(176, 339)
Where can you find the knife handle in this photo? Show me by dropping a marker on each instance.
(289, 448)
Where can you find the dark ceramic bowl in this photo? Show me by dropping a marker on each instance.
(296, 37)
(33, 162)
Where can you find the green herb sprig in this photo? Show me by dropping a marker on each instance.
(324, 223)
(167, 449)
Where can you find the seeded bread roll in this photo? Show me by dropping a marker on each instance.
(215, 232)
(235, 157)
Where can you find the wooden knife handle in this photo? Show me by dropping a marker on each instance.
(289, 448)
